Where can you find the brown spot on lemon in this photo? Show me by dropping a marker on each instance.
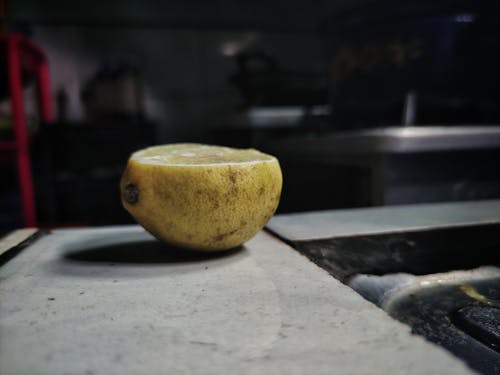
(222, 236)
(232, 176)
(130, 193)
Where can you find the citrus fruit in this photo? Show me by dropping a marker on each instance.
(201, 197)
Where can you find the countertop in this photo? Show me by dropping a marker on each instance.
(116, 301)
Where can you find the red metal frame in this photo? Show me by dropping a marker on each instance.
(22, 54)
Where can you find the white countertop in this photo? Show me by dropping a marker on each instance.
(79, 302)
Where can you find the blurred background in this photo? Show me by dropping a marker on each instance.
(365, 103)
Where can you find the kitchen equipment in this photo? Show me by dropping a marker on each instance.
(115, 90)
(78, 169)
(262, 81)
(387, 166)
(433, 267)
(419, 62)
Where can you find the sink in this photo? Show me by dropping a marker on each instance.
(459, 310)
(419, 252)
(443, 280)
(462, 315)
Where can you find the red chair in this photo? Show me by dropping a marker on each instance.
(22, 56)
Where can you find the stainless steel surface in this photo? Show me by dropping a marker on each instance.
(407, 139)
(284, 116)
(359, 221)
(389, 166)
(410, 109)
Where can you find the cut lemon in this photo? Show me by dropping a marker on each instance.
(201, 197)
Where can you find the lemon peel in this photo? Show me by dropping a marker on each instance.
(201, 197)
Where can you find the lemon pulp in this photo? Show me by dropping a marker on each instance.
(198, 154)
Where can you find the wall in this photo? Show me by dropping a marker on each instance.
(185, 72)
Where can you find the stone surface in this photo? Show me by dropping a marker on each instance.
(116, 301)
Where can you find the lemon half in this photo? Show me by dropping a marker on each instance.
(201, 197)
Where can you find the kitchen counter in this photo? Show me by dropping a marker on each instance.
(388, 166)
(397, 140)
(115, 301)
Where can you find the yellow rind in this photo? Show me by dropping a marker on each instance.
(209, 207)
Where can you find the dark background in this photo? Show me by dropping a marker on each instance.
(252, 74)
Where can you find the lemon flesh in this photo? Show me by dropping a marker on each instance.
(201, 197)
